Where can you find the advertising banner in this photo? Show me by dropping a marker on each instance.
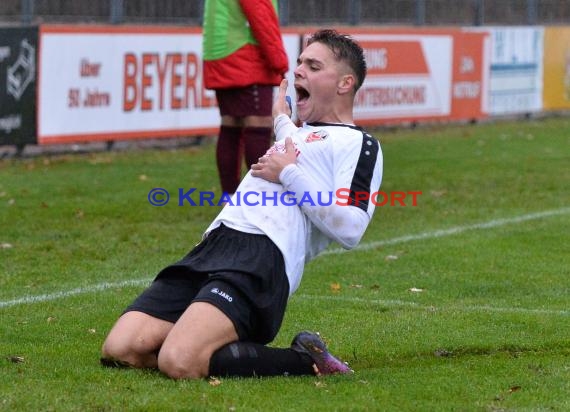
(128, 82)
(516, 69)
(409, 77)
(18, 55)
(418, 75)
(132, 82)
(470, 80)
(557, 68)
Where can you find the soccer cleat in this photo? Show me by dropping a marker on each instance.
(312, 344)
(111, 363)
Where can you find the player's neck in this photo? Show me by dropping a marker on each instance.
(339, 116)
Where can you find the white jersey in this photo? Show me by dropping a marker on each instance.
(336, 163)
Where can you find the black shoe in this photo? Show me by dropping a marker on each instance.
(111, 363)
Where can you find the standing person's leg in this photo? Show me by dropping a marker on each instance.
(230, 145)
(229, 152)
(258, 123)
(257, 139)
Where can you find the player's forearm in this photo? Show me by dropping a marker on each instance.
(342, 224)
(284, 127)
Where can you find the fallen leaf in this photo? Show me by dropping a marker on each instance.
(92, 331)
(415, 290)
(391, 257)
(335, 287)
(16, 359)
(79, 214)
(51, 319)
(514, 389)
(215, 382)
(356, 286)
(100, 159)
(442, 353)
(143, 178)
(438, 193)
(5, 246)
(320, 384)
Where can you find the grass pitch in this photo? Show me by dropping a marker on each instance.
(460, 303)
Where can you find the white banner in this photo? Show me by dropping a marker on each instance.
(111, 83)
(516, 70)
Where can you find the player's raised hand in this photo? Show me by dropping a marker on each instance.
(280, 106)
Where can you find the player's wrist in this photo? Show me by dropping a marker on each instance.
(286, 173)
(279, 122)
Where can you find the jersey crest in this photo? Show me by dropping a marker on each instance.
(316, 136)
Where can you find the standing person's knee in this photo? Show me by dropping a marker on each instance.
(232, 121)
(258, 121)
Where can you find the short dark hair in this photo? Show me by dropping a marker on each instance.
(344, 48)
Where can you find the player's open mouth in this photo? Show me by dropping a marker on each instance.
(302, 94)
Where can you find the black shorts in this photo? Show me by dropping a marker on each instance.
(241, 274)
(255, 100)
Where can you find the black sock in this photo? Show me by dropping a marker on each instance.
(253, 359)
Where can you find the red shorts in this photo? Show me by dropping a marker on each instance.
(255, 100)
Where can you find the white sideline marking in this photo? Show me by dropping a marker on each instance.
(475, 308)
(371, 245)
(452, 231)
(73, 292)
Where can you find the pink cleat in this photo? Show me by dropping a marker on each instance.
(312, 344)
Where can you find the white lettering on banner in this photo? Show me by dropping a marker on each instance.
(466, 90)
(467, 65)
(169, 81)
(10, 123)
(376, 58)
(4, 52)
